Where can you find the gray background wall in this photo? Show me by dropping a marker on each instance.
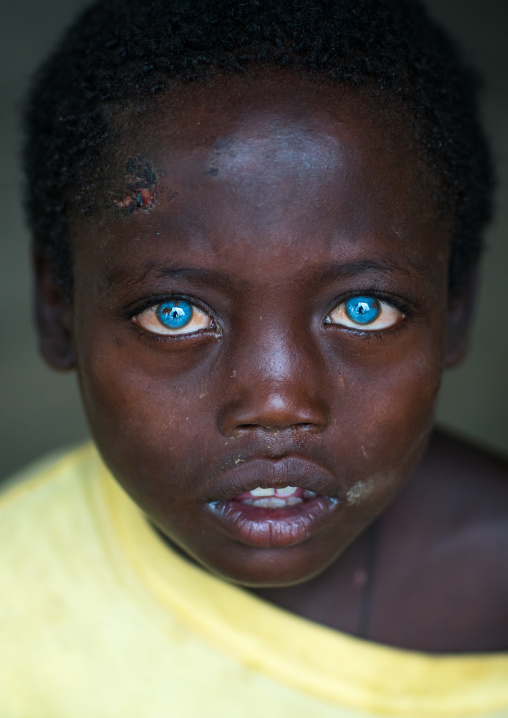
(40, 410)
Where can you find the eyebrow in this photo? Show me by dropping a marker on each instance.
(387, 265)
(119, 278)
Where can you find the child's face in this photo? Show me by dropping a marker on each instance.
(292, 225)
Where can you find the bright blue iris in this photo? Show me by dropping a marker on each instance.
(175, 314)
(363, 310)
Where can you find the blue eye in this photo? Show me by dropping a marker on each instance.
(175, 314)
(174, 317)
(363, 310)
(365, 313)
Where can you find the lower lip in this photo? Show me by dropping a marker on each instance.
(273, 528)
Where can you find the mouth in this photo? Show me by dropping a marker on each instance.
(275, 514)
(276, 498)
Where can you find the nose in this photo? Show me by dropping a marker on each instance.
(276, 383)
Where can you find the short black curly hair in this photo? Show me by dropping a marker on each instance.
(120, 53)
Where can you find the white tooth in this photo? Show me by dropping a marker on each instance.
(309, 494)
(248, 501)
(262, 492)
(286, 491)
(292, 500)
(277, 503)
(269, 503)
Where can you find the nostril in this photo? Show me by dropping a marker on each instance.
(273, 412)
(276, 429)
(306, 427)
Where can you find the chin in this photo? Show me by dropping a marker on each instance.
(270, 568)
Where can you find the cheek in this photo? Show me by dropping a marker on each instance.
(383, 418)
(149, 422)
(401, 396)
(387, 410)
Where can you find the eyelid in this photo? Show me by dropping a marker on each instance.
(148, 320)
(389, 315)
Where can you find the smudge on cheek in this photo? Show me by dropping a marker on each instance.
(360, 491)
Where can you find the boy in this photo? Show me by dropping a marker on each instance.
(255, 233)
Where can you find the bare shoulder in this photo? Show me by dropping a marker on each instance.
(446, 551)
(470, 480)
(463, 490)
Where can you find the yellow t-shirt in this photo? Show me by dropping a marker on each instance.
(100, 619)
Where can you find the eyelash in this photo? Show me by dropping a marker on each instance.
(405, 306)
(152, 302)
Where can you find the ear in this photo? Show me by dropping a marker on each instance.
(53, 317)
(460, 313)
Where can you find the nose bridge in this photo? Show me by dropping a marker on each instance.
(275, 380)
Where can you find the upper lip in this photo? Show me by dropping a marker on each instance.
(273, 473)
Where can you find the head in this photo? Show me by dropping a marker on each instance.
(255, 227)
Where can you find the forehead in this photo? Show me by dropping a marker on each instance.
(269, 161)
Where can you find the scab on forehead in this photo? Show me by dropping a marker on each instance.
(140, 186)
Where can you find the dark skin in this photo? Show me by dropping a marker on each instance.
(273, 200)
